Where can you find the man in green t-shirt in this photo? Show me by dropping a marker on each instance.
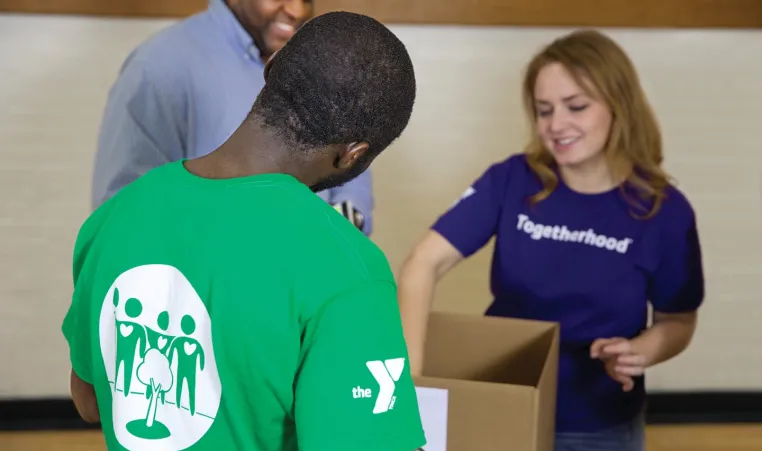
(220, 304)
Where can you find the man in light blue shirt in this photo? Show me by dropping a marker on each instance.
(185, 90)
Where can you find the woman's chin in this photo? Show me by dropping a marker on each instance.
(567, 159)
(572, 157)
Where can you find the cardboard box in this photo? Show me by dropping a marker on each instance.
(488, 384)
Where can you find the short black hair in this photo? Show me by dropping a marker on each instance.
(342, 78)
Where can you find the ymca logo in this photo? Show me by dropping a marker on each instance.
(386, 374)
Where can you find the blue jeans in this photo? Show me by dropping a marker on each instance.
(624, 437)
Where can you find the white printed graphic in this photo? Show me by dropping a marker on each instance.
(156, 343)
(386, 373)
(432, 404)
(470, 191)
(562, 233)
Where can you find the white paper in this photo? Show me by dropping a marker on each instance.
(432, 403)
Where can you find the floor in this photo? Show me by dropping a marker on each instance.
(659, 438)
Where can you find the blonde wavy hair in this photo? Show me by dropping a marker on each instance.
(633, 150)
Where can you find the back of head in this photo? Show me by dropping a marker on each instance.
(343, 78)
(603, 69)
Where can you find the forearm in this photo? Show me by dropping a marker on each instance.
(84, 399)
(416, 295)
(666, 339)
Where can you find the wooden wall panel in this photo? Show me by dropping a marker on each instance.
(117, 8)
(599, 13)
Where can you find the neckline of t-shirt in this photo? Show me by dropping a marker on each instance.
(267, 178)
(582, 195)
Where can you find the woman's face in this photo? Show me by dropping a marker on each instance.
(572, 125)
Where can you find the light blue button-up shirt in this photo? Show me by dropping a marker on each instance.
(181, 94)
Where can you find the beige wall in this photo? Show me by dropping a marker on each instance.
(706, 87)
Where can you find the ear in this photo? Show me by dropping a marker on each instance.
(350, 154)
(269, 64)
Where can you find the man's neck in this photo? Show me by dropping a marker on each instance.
(251, 150)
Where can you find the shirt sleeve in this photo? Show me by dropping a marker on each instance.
(473, 219)
(354, 390)
(76, 330)
(77, 325)
(143, 127)
(678, 283)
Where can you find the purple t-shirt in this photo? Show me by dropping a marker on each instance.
(584, 261)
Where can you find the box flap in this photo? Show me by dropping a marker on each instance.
(487, 349)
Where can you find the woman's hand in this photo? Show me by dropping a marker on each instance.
(621, 360)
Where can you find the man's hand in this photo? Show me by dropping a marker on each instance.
(351, 213)
(620, 359)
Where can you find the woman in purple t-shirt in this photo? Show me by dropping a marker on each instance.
(588, 231)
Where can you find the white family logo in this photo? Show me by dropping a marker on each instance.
(386, 374)
(467, 193)
(156, 342)
(562, 233)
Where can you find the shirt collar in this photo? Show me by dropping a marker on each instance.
(224, 17)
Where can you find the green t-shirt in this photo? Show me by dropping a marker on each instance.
(239, 314)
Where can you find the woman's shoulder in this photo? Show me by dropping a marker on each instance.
(676, 213)
(676, 204)
(514, 162)
(513, 167)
